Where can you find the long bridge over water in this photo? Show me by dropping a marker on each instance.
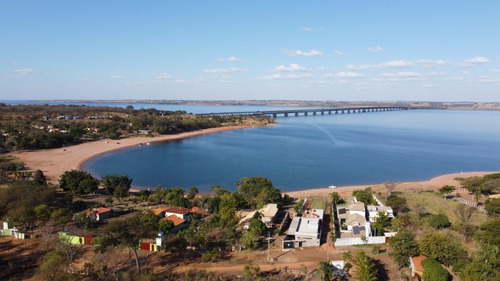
(308, 111)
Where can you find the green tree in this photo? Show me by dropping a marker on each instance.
(39, 178)
(403, 246)
(492, 205)
(485, 265)
(397, 203)
(127, 233)
(258, 191)
(165, 226)
(447, 189)
(335, 197)
(441, 247)
(116, 185)
(325, 271)
(364, 196)
(433, 271)
(250, 240)
(61, 216)
(488, 233)
(78, 182)
(256, 225)
(193, 191)
(53, 267)
(365, 268)
(439, 221)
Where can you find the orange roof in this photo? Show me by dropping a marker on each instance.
(418, 262)
(197, 210)
(99, 210)
(178, 210)
(175, 219)
(158, 210)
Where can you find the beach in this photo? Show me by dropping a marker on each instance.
(54, 162)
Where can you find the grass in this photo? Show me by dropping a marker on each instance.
(435, 204)
(317, 205)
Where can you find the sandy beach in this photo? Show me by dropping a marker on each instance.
(54, 162)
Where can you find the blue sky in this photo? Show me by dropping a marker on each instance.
(307, 50)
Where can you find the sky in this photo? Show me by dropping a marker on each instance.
(345, 50)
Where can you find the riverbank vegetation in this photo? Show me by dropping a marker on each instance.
(50, 126)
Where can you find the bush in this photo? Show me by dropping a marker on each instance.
(433, 271)
(210, 255)
(439, 221)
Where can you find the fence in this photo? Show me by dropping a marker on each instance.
(359, 241)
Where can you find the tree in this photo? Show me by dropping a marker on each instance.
(382, 221)
(447, 189)
(193, 191)
(43, 213)
(403, 246)
(335, 198)
(250, 240)
(116, 185)
(433, 271)
(325, 271)
(364, 196)
(39, 178)
(439, 221)
(256, 225)
(390, 186)
(78, 182)
(488, 232)
(441, 247)
(126, 233)
(258, 191)
(53, 266)
(398, 204)
(365, 268)
(464, 213)
(165, 226)
(492, 205)
(61, 216)
(485, 265)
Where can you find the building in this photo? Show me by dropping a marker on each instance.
(352, 220)
(374, 210)
(99, 214)
(417, 270)
(179, 223)
(305, 230)
(180, 212)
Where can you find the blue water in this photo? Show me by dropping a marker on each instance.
(317, 151)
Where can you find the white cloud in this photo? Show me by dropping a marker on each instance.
(117, 77)
(349, 75)
(230, 59)
(305, 28)
(321, 68)
(291, 68)
(375, 49)
(389, 64)
(24, 71)
(280, 76)
(225, 70)
(401, 75)
(495, 70)
(299, 53)
(338, 53)
(164, 75)
(475, 61)
(433, 63)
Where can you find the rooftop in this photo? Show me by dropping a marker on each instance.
(175, 219)
(178, 210)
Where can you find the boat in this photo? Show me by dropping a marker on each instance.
(332, 186)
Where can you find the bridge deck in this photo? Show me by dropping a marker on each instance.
(307, 111)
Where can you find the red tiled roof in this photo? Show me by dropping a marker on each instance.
(175, 219)
(178, 210)
(197, 210)
(158, 210)
(418, 262)
(99, 210)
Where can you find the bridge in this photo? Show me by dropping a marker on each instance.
(308, 111)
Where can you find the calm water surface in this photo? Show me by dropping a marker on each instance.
(317, 151)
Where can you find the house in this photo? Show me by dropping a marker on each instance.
(268, 213)
(374, 210)
(180, 212)
(160, 212)
(353, 222)
(417, 270)
(305, 230)
(99, 214)
(199, 211)
(179, 223)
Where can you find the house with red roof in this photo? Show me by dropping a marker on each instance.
(417, 269)
(98, 214)
(179, 223)
(180, 212)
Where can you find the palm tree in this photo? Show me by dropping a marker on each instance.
(478, 195)
(365, 268)
(325, 271)
(347, 256)
(335, 198)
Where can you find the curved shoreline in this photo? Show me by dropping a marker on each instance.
(54, 162)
